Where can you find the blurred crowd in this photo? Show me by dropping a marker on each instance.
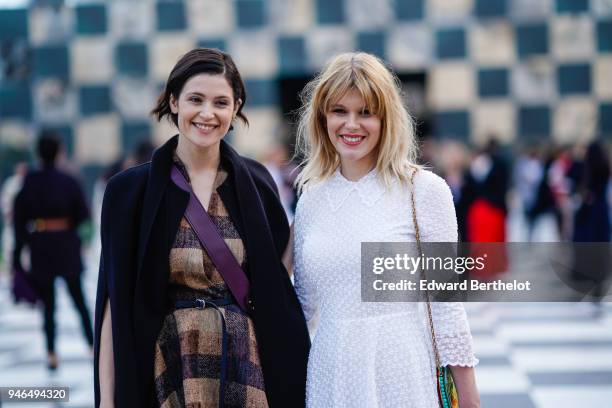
(542, 192)
(537, 183)
(568, 183)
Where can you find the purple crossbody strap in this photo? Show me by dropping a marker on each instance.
(215, 245)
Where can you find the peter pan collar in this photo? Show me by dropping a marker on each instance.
(369, 189)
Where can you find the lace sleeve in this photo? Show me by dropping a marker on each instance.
(304, 286)
(453, 335)
(438, 223)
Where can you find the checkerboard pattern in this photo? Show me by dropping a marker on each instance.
(519, 69)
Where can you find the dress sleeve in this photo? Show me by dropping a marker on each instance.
(305, 287)
(453, 335)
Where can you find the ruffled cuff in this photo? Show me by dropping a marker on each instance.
(456, 350)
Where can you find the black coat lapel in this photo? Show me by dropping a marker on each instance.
(257, 234)
(159, 177)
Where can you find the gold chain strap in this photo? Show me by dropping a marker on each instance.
(417, 234)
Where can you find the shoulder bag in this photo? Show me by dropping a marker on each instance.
(447, 392)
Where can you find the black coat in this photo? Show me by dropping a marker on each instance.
(140, 217)
(50, 193)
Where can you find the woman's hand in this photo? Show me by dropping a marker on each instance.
(106, 361)
(465, 381)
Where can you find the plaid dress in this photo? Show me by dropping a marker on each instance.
(188, 348)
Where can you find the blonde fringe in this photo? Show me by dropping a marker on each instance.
(380, 88)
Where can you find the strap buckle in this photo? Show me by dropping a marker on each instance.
(201, 304)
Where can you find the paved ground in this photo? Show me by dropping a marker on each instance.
(22, 348)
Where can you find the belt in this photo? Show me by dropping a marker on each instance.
(48, 224)
(215, 304)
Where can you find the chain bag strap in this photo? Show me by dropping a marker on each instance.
(447, 392)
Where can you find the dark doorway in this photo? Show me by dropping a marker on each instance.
(414, 93)
(290, 89)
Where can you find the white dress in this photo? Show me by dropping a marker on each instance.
(372, 354)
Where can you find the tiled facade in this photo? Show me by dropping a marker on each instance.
(520, 69)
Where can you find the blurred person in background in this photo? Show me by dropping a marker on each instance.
(454, 161)
(575, 174)
(527, 178)
(560, 185)
(171, 328)
(451, 160)
(47, 212)
(610, 201)
(142, 153)
(281, 169)
(22, 287)
(10, 188)
(592, 218)
(483, 200)
(545, 203)
(485, 189)
(95, 246)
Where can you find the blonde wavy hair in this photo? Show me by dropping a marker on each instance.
(380, 90)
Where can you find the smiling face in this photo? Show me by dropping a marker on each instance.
(354, 132)
(205, 109)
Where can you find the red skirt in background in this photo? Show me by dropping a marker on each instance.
(487, 224)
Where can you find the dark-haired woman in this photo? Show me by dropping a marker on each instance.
(172, 329)
(47, 212)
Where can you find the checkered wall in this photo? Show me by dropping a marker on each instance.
(522, 69)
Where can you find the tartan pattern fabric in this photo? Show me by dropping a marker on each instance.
(188, 349)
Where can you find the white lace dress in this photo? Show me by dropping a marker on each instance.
(372, 354)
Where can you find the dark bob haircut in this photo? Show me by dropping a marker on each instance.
(200, 61)
(48, 146)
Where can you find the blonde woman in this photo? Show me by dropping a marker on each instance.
(360, 151)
